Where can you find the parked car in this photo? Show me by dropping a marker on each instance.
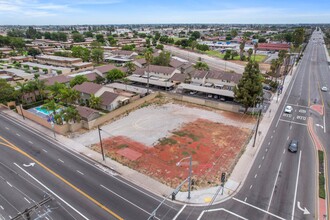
(293, 146)
(324, 89)
(193, 92)
(288, 109)
(209, 96)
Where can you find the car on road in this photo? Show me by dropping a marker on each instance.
(324, 89)
(293, 146)
(288, 109)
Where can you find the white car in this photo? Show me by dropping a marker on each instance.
(288, 109)
(324, 89)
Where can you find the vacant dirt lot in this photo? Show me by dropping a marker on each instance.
(157, 137)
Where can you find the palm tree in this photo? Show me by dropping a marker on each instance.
(22, 89)
(148, 57)
(40, 85)
(201, 66)
(71, 114)
(94, 102)
(130, 67)
(241, 47)
(55, 89)
(51, 106)
(250, 52)
(68, 95)
(255, 49)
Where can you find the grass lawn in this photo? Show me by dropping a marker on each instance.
(178, 38)
(259, 58)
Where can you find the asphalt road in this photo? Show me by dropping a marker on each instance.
(211, 61)
(280, 184)
(86, 191)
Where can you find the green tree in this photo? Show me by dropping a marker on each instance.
(114, 74)
(51, 106)
(298, 37)
(201, 66)
(100, 38)
(233, 33)
(55, 89)
(68, 96)
(81, 52)
(97, 55)
(160, 47)
(195, 35)
(241, 48)
(17, 43)
(129, 47)
(88, 34)
(95, 102)
(234, 54)
(227, 55)
(130, 67)
(71, 114)
(22, 89)
(99, 79)
(193, 44)
(77, 37)
(33, 52)
(250, 52)
(163, 59)
(7, 92)
(248, 91)
(255, 46)
(78, 80)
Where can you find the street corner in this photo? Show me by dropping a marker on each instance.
(318, 109)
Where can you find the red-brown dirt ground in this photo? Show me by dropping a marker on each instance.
(214, 147)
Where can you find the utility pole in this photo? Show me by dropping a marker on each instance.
(99, 129)
(190, 172)
(255, 135)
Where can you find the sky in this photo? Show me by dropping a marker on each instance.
(72, 12)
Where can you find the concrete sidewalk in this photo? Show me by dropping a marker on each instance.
(198, 197)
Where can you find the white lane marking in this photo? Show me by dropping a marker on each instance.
(2, 207)
(293, 122)
(269, 213)
(245, 199)
(30, 142)
(35, 179)
(273, 131)
(263, 157)
(220, 209)
(177, 215)
(10, 216)
(271, 136)
(266, 149)
(44, 150)
(259, 166)
(7, 128)
(271, 196)
(9, 184)
(80, 172)
(295, 191)
(255, 176)
(60, 160)
(18, 134)
(287, 138)
(27, 200)
(284, 151)
(251, 187)
(290, 127)
(268, 143)
(133, 204)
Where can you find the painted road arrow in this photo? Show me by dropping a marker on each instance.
(306, 212)
(29, 165)
(318, 125)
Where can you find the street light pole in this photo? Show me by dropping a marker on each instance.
(99, 129)
(190, 172)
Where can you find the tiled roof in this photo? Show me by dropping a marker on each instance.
(60, 79)
(161, 69)
(221, 75)
(85, 112)
(178, 77)
(199, 74)
(176, 63)
(88, 87)
(108, 97)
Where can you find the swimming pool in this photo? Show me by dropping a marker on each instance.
(45, 111)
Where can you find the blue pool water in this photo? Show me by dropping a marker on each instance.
(45, 111)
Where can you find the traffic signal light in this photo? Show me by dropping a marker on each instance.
(223, 177)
